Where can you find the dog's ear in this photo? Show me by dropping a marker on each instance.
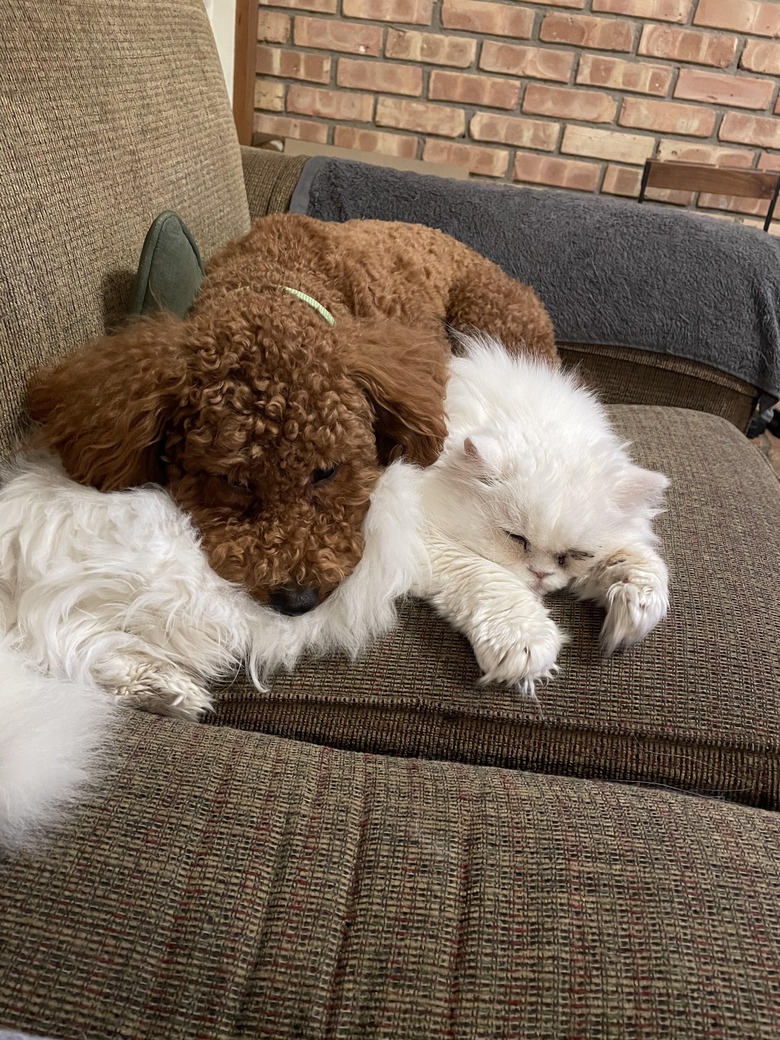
(404, 374)
(103, 409)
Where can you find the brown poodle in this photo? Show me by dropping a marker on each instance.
(266, 422)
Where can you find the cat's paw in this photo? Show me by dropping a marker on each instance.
(635, 605)
(518, 654)
(160, 689)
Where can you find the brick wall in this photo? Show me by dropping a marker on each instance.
(564, 93)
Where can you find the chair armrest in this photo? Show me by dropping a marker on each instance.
(270, 179)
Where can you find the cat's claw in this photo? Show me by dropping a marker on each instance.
(636, 604)
(160, 689)
(519, 656)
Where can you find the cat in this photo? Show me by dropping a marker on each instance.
(534, 493)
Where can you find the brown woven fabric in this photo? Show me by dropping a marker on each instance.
(696, 706)
(233, 885)
(270, 179)
(624, 375)
(111, 112)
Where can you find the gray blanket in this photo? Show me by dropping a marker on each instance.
(609, 271)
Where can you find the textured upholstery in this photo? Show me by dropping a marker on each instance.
(107, 119)
(225, 883)
(625, 375)
(235, 885)
(696, 706)
(270, 180)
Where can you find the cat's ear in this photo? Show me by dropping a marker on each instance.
(642, 488)
(483, 455)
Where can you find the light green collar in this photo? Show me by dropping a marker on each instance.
(322, 311)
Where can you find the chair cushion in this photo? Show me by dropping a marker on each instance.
(227, 884)
(696, 706)
(111, 113)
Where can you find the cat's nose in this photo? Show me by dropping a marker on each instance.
(541, 575)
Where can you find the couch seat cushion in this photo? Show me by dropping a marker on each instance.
(696, 706)
(226, 884)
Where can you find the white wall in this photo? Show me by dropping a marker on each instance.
(222, 14)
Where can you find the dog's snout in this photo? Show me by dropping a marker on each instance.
(294, 599)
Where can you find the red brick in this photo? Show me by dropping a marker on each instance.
(622, 180)
(274, 61)
(420, 117)
(722, 89)
(604, 34)
(526, 133)
(529, 62)
(591, 106)
(330, 104)
(607, 144)
(273, 27)
(489, 91)
(761, 57)
(269, 95)
(734, 204)
(487, 162)
(683, 151)
(375, 141)
(434, 48)
(319, 6)
(332, 35)
(418, 12)
(379, 76)
(480, 16)
(557, 173)
(669, 118)
(298, 129)
(763, 131)
(688, 45)
(619, 74)
(747, 16)
(578, 4)
(664, 10)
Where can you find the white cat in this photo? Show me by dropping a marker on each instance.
(533, 493)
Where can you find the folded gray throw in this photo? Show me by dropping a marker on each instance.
(609, 271)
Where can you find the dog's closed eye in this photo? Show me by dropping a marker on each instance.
(322, 476)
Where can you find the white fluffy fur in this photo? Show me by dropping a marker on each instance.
(113, 589)
(51, 735)
(530, 453)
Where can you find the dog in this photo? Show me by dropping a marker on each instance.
(315, 355)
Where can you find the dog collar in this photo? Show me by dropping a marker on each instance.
(314, 304)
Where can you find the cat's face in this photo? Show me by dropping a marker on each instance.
(546, 516)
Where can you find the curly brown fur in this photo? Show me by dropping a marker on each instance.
(268, 425)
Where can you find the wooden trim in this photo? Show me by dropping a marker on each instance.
(718, 180)
(244, 69)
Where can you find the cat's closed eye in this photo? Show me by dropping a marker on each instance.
(519, 538)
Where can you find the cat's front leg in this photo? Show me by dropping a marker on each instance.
(513, 638)
(632, 584)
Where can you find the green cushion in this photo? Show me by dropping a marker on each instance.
(170, 269)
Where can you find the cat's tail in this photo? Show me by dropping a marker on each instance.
(52, 734)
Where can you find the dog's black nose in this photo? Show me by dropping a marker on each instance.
(294, 599)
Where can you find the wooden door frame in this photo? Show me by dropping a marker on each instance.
(245, 60)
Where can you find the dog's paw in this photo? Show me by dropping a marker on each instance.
(160, 689)
(636, 604)
(519, 654)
